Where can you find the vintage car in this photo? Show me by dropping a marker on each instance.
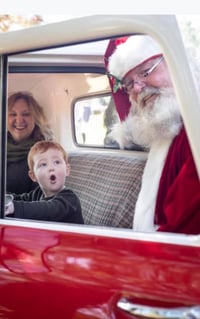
(102, 269)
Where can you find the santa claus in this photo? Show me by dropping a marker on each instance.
(169, 199)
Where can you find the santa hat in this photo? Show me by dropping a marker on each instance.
(131, 53)
(121, 56)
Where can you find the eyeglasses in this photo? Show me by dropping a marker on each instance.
(144, 73)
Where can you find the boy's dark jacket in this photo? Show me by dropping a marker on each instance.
(62, 207)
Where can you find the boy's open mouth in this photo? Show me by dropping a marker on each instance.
(52, 177)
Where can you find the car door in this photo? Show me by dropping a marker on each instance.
(80, 272)
(60, 271)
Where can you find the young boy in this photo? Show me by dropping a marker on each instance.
(50, 201)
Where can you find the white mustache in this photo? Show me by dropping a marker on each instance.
(146, 92)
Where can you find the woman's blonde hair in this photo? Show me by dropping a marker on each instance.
(42, 128)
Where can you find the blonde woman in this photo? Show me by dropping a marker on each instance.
(26, 124)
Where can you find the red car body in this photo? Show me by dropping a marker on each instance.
(77, 275)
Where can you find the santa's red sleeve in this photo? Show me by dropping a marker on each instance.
(181, 207)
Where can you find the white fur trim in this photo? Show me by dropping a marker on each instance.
(145, 206)
(129, 54)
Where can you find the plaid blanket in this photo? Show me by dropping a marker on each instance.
(107, 186)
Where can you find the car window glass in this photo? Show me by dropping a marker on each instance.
(84, 117)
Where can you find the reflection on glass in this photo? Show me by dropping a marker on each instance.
(94, 118)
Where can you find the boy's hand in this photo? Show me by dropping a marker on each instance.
(9, 209)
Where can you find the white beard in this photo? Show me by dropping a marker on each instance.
(145, 125)
(154, 126)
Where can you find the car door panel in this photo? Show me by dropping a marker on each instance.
(74, 275)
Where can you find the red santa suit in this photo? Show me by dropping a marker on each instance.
(169, 199)
(178, 198)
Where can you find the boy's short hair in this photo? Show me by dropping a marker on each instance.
(43, 146)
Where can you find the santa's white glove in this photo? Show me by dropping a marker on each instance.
(9, 209)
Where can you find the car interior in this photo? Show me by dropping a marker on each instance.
(106, 179)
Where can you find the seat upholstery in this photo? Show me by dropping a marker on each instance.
(107, 186)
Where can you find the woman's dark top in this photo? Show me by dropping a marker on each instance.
(18, 181)
(62, 207)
